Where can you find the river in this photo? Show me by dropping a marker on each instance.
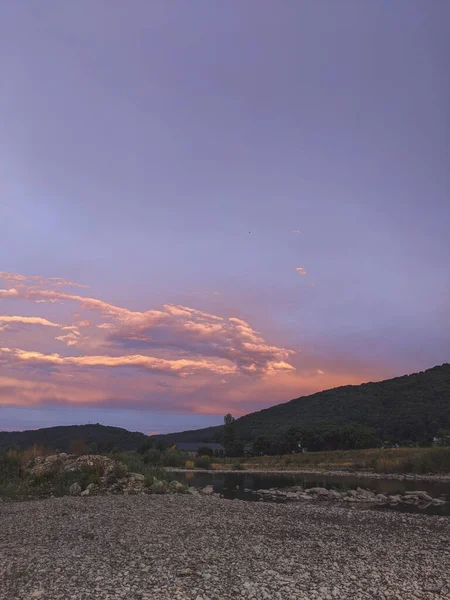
(233, 485)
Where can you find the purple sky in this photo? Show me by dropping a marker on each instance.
(284, 165)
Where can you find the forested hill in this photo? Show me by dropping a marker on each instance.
(73, 438)
(404, 408)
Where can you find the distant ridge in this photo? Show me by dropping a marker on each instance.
(405, 408)
(61, 438)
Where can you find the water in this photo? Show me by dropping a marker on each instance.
(233, 485)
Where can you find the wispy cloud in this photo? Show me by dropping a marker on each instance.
(27, 321)
(297, 231)
(182, 367)
(301, 270)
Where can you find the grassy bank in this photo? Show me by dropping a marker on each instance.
(387, 460)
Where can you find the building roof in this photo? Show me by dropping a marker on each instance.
(195, 446)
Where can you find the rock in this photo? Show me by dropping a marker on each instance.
(208, 490)
(438, 502)
(75, 489)
(158, 487)
(395, 499)
(177, 487)
(193, 491)
(136, 476)
(91, 486)
(365, 494)
(85, 492)
(421, 495)
(320, 492)
(335, 495)
(291, 496)
(382, 498)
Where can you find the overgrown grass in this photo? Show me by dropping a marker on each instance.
(136, 464)
(380, 460)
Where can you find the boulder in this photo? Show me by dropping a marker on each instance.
(85, 492)
(208, 490)
(136, 476)
(75, 489)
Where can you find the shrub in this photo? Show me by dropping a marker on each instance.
(172, 458)
(203, 462)
(237, 466)
(205, 451)
(152, 457)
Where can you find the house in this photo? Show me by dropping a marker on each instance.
(192, 448)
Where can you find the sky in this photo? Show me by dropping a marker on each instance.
(212, 207)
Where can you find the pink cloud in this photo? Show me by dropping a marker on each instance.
(301, 270)
(28, 321)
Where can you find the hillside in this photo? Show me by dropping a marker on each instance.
(404, 408)
(61, 438)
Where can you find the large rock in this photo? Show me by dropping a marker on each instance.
(208, 490)
(75, 489)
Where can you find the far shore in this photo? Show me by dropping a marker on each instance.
(323, 472)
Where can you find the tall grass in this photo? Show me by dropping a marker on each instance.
(380, 460)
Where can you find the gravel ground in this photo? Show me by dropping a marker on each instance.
(182, 547)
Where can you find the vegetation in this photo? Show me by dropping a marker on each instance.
(379, 460)
(203, 462)
(408, 409)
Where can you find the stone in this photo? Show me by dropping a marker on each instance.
(438, 502)
(136, 476)
(421, 495)
(382, 498)
(75, 489)
(208, 490)
(85, 492)
(334, 494)
(320, 492)
(291, 496)
(158, 487)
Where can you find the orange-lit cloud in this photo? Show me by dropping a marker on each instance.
(301, 270)
(181, 366)
(27, 321)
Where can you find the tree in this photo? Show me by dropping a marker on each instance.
(205, 451)
(228, 433)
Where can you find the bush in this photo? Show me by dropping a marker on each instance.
(205, 451)
(237, 466)
(172, 458)
(203, 462)
(152, 457)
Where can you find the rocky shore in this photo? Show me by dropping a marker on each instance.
(180, 547)
(298, 494)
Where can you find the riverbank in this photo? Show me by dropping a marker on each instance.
(444, 477)
(206, 548)
(381, 461)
